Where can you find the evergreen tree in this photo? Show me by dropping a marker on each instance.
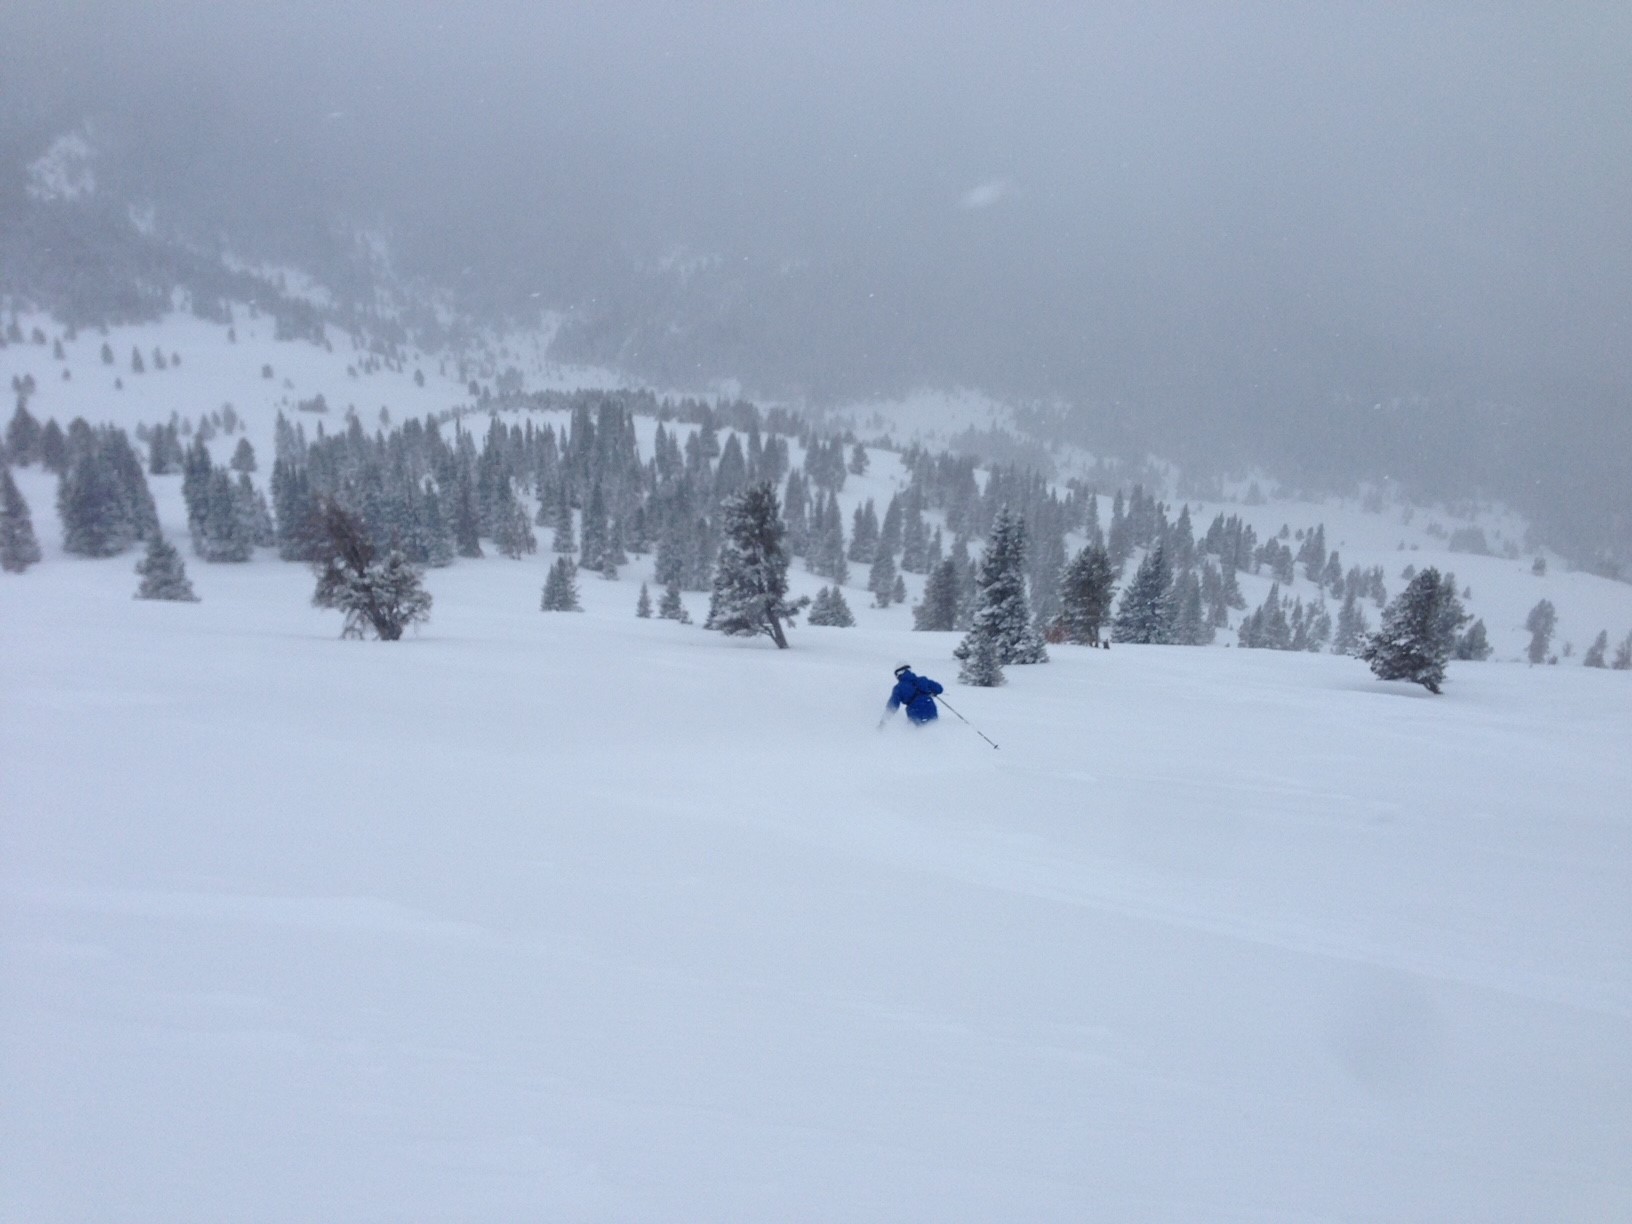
(222, 531)
(1541, 622)
(1002, 613)
(1596, 652)
(19, 548)
(1412, 642)
(1146, 614)
(54, 448)
(731, 473)
(864, 534)
(164, 574)
(979, 664)
(831, 609)
(881, 579)
(914, 539)
(751, 581)
(1268, 628)
(939, 611)
(563, 523)
(92, 506)
(561, 588)
(379, 597)
(295, 509)
(432, 537)
(643, 605)
(1191, 627)
(1119, 540)
(253, 513)
(1623, 654)
(243, 458)
(671, 606)
(466, 517)
(512, 529)
(1352, 628)
(858, 462)
(1087, 585)
(594, 536)
(23, 435)
(1474, 645)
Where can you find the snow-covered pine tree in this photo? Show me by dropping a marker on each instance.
(881, 579)
(731, 473)
(437, 536)
(889, 531)
(1474, 645)
(243, 458)
(643, 605)
(254, 516)
(1268, 627)
(163, 573)
(829, 608)
(222, 532)
(898, 592)
(1623, 654)
(1542, 622)
(750, 593)
(54, 448)
(914, 537)
(91, 505)
(938, 613)
(1087, 585)
(467, 520)
(671, 606)
(19, 547)
(1596, 652)
(1146, 614)
(864, 534)
(1191, 626)
(1413, 643)
(565, 539)
(1002, 612)
(379, 597)
(1119, 541)
(561, 587)
(1317, 627)
(979, 665)
(23, 435)
(593, 535)
(1352, 627)
(512, 529)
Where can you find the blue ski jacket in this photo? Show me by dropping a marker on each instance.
(917, 693)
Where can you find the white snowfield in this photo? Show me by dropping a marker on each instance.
(583, 917)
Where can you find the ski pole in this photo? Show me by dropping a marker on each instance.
(965, 721)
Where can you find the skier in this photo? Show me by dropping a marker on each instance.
(915, 692)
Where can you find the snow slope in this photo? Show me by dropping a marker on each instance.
(586, 917)
(552, 916)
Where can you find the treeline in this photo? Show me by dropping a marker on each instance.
(435, 490)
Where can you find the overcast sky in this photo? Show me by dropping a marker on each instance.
(1217, 204)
